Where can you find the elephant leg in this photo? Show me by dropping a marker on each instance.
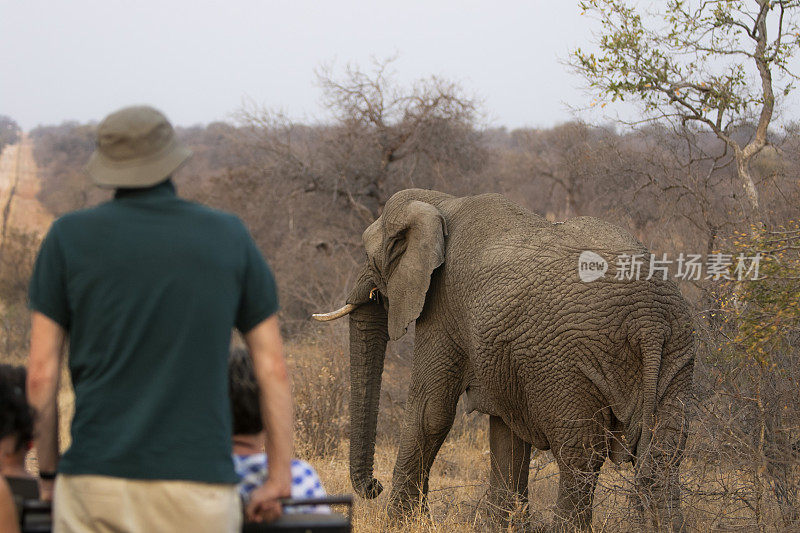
(579, 462)
(430, 411)
(510, 461)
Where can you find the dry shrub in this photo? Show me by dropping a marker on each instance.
(17, 255)
(320, 389)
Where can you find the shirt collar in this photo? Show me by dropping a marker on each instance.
(165, 189)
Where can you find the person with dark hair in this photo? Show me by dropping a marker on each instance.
(249, 459)
(16, 434)
(8, 400)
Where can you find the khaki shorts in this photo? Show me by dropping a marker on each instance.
(101, 504)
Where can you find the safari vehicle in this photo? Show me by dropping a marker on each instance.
(35, 517)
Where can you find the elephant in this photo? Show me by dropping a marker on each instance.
(587, 369)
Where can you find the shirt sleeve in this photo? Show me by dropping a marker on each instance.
(47, 292)
(259, 298)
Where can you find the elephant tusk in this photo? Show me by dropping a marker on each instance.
(333, 315)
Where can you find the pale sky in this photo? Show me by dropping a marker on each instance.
(199, 60)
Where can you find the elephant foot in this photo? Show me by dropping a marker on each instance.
(404, 506)
(572, 519)
(520, 522)
(368, 490)
(508, 509)
(657, 502)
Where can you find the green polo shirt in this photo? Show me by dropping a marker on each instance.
(149, 287)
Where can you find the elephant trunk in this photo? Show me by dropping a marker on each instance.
(368, 337)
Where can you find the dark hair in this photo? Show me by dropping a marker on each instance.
(16, 416)
(244, 393)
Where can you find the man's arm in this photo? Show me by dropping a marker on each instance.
(266, 349)
(44, 364)
(8, 513)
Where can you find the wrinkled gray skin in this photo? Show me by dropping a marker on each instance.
(587, 370)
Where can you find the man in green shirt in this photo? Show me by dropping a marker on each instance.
(147, 288)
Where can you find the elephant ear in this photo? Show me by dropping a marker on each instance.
(412, 248)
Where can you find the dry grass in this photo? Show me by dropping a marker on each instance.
(716, 497)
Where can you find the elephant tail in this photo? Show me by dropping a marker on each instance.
(652, 349)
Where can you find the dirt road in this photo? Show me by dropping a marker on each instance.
(19, 184)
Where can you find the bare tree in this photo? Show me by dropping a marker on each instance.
(384, 136)
(572, 157)
(9, 131)
(688, 64)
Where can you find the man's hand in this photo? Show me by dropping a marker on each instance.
(264, 505)
(266, 349)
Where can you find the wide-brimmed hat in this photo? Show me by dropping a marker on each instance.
(136, 147)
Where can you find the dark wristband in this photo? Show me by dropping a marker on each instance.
(47, 476)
